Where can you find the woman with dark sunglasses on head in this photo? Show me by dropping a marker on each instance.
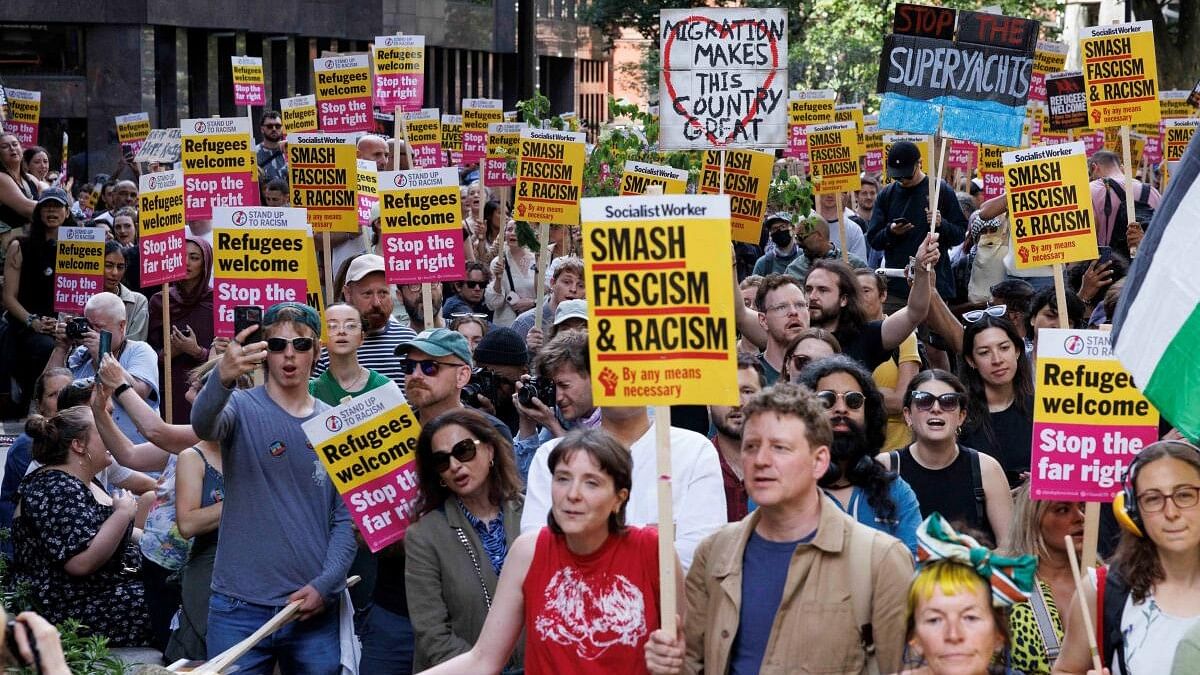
(470, 514)
(996, 371)
(965, 486)
(812, 344)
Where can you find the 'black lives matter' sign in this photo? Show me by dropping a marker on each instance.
(724, 78)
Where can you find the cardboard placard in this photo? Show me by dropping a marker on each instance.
(1050, 205)
(1048, 57)
(323, 178)
(162, 145)
(218, 165)
(249, 87)
(550, 176)
(1177, 134)
(662, 328)
(452, 138)
(478, 113)
(425, 138)
(813, 106)
(343, 90)
(299, 114)
(873, 144)
(852, 112)
(260, 257)
(923, 142)
(503, 144)
(747, 182)
(368, 189)
(833, 153)
(723, 82)
(132, 130)
(420, 226)
(962, 155)
(991, 170)
(24, 115)
(639, 176)
(78, 267)
(1066, 101)
(399, 72)
(1120, 74)
(161, 227)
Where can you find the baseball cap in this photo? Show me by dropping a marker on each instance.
(54, 195)
(363, 265)
(438, 342)
(776, 217)
(902, 160)
(570, 309)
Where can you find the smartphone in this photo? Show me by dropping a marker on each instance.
(1105, 255)
(105, 345)
(245, 316)
(901, 221)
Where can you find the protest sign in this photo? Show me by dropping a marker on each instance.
(814, 106)
(511, 116)
(323, 178)
(259, 258)
(503, 144)
(1152, 153)
(78, 267)
(963, 155)
(24, 115)
(991, 170)
(314, 297)
(344, 93)
(1176, 136)
(550, 176)
(368, 446)
(1050, 205)
(425, 138)
(1173, 104)
(399, 72)
(639, 175)
(3, 104)
(452, 138)
(218, 165)
(1066, 101)
(923, 142)
(972, 81)
(724, 78)
(420, 231)
(1193, 98)
(161, 234)
(873, 145)
(368, 189)
(1089, 420)
(747, 182)
(662, 329)
(833, 153)
(1137, 144)
(249, 87)
(162, 145)
(132, 130)
(1048, 57)
(299, 114)
(1120, 74)
(478, 113)
(851, 112)
(1093, 140)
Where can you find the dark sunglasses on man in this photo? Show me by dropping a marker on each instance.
(854, 399)
(429, 368)
(300, 344)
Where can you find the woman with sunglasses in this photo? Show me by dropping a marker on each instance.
(470, 513)
(812, 344)
(1157, 565)
(966, 487)
(345, 377)
(996, 371)
(585, 588)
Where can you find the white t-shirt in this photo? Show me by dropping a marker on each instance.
(697, 490)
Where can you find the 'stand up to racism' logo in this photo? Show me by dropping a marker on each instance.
(333, 423)
(1073, 344)
(239, 217)
(328, 64)
(199, 127)
(400, 180)
(152, 181)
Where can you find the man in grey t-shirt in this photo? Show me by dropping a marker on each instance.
(285, 532)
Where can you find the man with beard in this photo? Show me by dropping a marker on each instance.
(269, 154)
(369, 293)
(468, 297)
(855, 479)
(783, 313)
(728, 422)
(835, 304)
(411, 296)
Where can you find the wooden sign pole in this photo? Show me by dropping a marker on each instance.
(542, 266)
(1130, 197)
(168, 397)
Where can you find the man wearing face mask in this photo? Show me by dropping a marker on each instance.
(856, 479)
(779, 226)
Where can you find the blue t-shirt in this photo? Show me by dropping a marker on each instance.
(764, 573)
(904, 523)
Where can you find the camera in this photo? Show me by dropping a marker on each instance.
(77, 328)
(483, 383)
(536, 387)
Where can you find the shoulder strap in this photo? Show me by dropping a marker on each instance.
(1144, 197)
(977, 484)
(894, 461)
(1101, 587)
(1111, 607)
(1041, 614)
(862, 540)
(462, 539)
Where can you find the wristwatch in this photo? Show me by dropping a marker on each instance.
(121, 390)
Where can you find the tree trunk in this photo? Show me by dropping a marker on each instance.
(1176, 52)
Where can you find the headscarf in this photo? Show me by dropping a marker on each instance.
(185, 298)
(1011, 579)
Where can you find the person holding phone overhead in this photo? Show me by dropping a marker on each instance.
(191, 305)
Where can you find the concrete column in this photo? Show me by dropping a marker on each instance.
(214, 89)
(182, 105)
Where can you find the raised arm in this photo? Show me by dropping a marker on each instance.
(212, 420)
(141, 457)
(173, 438)
(900, 325)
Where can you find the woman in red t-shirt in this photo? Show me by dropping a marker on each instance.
(585, 588)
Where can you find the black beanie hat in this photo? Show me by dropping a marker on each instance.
(501, 347)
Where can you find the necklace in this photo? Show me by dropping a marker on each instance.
(359, 379)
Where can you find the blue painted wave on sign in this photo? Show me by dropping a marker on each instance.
(979, 121)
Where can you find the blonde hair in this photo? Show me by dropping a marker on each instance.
(1025, 532)
(951, 578)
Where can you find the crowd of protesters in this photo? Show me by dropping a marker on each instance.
(884, 426)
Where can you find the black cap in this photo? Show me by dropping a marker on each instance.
(902, 160)
(501, 347)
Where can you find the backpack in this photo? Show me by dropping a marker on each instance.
(1111, 593)
(1142, 212)
(976, 479)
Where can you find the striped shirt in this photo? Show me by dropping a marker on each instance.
(491, 533)
(378, 352)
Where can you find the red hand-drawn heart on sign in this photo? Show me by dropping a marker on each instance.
(723, 32)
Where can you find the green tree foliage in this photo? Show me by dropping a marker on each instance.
(1176, 40)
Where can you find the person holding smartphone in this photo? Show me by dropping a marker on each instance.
(191, 328)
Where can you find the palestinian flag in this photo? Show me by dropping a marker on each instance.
(1156, 332)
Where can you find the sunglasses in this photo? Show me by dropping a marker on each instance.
(463, 451)
(854, 399)
(475, 284)
(994, 311)
(923, 401)
(465, 315)
(428, 368)
(300, 344)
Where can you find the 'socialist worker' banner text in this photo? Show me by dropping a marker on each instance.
(550, 176)
(259, 258)
(367, 445)
(419, 219)
(1089, 420)
(1050, 204)
(662, 323)
(218, 165)
(323, 178)
(78, 267)
(161, 235)
(747, 180)
(833, 153)
(638, 176)
(344, 93)
(1120, 74)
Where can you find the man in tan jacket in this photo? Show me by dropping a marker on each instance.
(776, 592)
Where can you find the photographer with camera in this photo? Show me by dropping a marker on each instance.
(555, 400)
(79, 344)
(501, 359)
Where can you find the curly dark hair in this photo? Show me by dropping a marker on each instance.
(870, 475)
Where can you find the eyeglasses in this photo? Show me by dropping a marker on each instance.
(788, 308)
(475, 284)
(463, 451)
(1184, 498)
(854, 399)
(923, 401)
(429, 368)
(347, 326)
(300, 344)
(994, 311)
